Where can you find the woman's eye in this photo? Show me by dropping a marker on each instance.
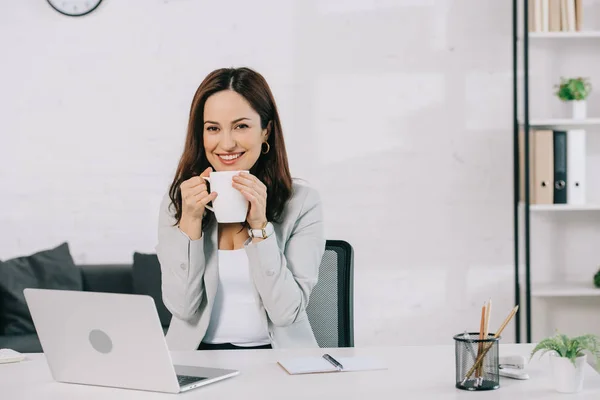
(242, 126)
(212, 128)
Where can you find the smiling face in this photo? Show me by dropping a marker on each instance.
(233, 135)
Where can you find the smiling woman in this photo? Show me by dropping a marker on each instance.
(238, 285)
(233, 143)
(233, 125)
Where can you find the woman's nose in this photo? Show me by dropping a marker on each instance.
(227, 140)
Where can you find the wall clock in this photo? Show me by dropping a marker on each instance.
(74, 8)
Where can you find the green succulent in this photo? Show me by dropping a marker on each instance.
(597, 279)
(573, 89)
(570, 348)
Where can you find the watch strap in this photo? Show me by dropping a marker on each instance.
(263, 232)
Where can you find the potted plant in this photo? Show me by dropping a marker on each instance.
(568, 358)
(575, 92)
(597, 279)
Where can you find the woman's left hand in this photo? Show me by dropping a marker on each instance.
(256, 193)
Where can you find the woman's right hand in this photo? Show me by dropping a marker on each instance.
(194, 197)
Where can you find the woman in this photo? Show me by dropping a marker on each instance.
(226, 289)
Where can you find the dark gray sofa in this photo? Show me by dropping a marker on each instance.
(114, 278)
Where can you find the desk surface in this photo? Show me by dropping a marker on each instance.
(415, 372)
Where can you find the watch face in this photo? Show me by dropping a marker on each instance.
(74, 8)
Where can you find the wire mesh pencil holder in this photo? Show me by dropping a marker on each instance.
(477, 361)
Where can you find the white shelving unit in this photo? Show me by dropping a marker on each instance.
(561, 123)
(565, 35)
(565, 289)
(559, 289)
(564, 207)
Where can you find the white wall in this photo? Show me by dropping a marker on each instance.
(398, 111)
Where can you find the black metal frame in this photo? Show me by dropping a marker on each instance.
(345, 271)
(517, 172)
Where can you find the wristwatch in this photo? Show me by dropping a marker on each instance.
(263, 233)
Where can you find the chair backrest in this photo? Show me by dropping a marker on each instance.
(330, 308)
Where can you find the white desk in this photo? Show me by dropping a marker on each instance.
(414, 373)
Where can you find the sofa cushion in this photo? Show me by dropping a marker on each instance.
(29, 343)
(147, 280)
(111, 278)
(48, 269)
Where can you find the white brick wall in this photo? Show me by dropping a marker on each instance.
(399, 112)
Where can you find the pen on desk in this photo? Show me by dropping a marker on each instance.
(333, 362)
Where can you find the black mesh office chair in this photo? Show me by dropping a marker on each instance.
(330, 308)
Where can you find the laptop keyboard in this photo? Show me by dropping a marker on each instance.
(186, 379)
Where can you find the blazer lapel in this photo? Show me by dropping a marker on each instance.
(211, 273)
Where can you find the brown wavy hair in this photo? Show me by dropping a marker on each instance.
(272, 168)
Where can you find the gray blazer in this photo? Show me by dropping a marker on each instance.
(284, 268)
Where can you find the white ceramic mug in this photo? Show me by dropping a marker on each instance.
(230, 204)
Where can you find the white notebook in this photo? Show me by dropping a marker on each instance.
(315, 364)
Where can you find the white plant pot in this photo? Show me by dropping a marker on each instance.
(579, 109)
(566, 377)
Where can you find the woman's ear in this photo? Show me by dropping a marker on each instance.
(267, 131)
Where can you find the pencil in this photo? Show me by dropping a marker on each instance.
(486, 329)
(496, 335)
(488, 312)
(481, 328)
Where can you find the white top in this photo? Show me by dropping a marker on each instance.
(235, 316)
(414, 372)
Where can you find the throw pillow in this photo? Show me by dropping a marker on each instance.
(147, 280)
(48, 269)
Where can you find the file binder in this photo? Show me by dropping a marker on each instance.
(560, 167)
(576, 165)
(541, 166)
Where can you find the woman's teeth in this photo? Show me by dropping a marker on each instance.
(229, 157)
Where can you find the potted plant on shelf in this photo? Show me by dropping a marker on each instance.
(568, 358)
(597, 279)
(574, 91)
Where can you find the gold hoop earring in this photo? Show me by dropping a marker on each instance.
(268, 148)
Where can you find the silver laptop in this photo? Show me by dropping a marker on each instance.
(110, 339)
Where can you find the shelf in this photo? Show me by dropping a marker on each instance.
(560, 123)
(564, 35)
(564, 207)
(565, 289)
